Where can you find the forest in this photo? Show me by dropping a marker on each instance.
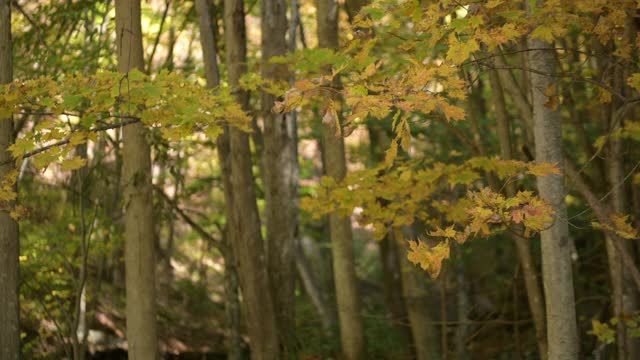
(319, 179)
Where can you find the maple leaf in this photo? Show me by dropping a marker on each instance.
(603, 332)
(429, 258)
(451, 112)
(543, 169)
(517, 216)
(621, 226)
(73, 164)
(543, 32)
(460, 51)
(391, 153)
(634, 81)
(448, 232)
(304, 85)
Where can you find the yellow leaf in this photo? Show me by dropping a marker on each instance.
(448, 232)
(73, 163)
(543, 169)
(634, 81)
(391, 153)
(461, 51)
(304, 85)
(405, 135)
(493, 3)
(543, 32)
(623, 227)
(78, 138)
(452, 112)
(429, 258)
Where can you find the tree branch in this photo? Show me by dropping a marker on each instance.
(195, 226)
(602, 212)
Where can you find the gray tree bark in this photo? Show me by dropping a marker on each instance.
(280, 176)
(562, 337)
(138, 201)
(9, 240)
(244, 225)
(351, 328)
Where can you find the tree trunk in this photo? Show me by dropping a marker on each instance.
(244, 223)
(625, 299)
(415, 294)
(208, 35)
(138, 200)
(9, 240)
(562, 337)
(379, 140)
(280, 176)
(523, 248)
(314, 289)
(351, 328)
(208, 40)
(393, 290)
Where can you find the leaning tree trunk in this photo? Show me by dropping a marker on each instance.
(280, 176)
(562, 337)
(244, 226)
(9, 241)
(351, 328)
(138, 199)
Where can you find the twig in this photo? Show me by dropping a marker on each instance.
(131, 120)
(195, 226)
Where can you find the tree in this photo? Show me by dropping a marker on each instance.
(562, 334)
(280, 175)
(9, 241)
(351, 327)
(138, 200)
(523, 247)
(244, 227)
(212, 73)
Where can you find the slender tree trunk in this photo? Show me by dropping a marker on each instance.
(244, 223)
(462, 307)
(138, 199)
(562, 337)
(392, 271)
(351, 328)
(625, 300)
(280, 176)
(415, 294)
(9, 240)
(523, 248)
(314, 289)
(208, 40)
(393, 290)
(79, 329)
(208, 35)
